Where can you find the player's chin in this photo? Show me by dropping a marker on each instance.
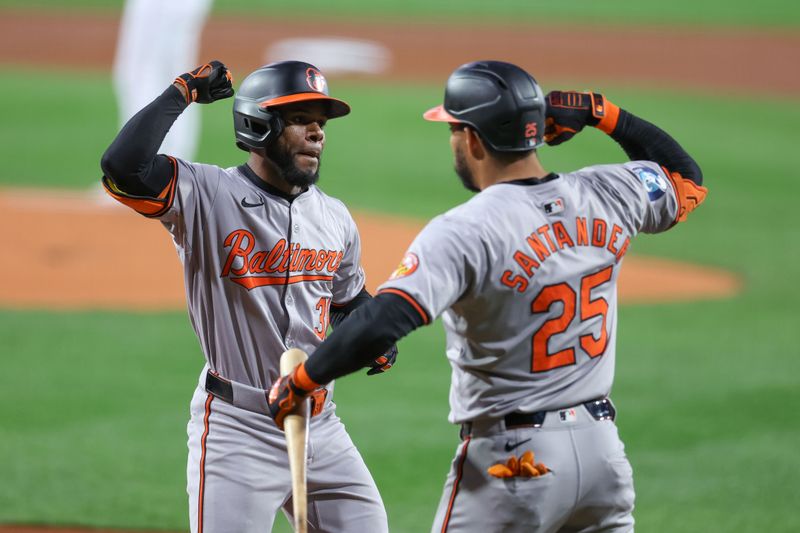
(307, 163)
(301, 177)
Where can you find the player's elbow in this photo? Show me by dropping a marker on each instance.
(125, 174)
(694, 172)
(111, 169)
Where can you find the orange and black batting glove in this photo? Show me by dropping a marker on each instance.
(383, 363)
(289, 392)
(569, 111)
(207, 83)
(525, 466)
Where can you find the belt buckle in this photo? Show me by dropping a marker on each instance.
(601, 409)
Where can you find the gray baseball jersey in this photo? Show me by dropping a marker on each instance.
(525, 280)
(524, 276)
(261, 274)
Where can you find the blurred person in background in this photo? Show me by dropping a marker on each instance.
(158, 38)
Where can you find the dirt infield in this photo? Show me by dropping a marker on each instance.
(82, 248)
(91, 253)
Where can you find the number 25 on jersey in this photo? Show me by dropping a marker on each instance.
(589, 307)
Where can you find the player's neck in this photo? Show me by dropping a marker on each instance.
(496, 172)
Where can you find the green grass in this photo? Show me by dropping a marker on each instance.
(777, 13)
(93, 405)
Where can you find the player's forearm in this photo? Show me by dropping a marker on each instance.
(131, 161)
(340, 312)
(368, 332)
(642, 140)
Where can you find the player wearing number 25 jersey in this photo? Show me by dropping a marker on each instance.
(524, 276)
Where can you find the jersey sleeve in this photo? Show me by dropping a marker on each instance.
(192, 188)
(349, 278)
(656, 198)
(149, 206)
(439, 267)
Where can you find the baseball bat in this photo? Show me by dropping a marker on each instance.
(296, 430)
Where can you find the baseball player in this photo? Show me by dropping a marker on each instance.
(524, 276)
(269, 262)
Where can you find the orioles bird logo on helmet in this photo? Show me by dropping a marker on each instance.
(316, 80)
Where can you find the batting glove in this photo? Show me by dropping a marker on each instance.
(569, 111)
(522, 467)
(207, 83)
(383, 363)
(289, 392)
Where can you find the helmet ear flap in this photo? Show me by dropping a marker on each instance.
(274, 122)
(257, 129)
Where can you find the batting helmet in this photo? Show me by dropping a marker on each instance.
(502, 102)
(254, 118)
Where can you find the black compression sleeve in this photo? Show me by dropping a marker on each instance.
(368, 332)
(131, 161)
(340, 312)
(642, 140)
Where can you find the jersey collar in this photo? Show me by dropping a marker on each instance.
(533, 181)
(250, 174)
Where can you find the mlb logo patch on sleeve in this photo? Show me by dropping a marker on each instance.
(653, 182)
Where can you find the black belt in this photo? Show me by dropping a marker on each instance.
(254, 399)
(601, 409)
(219, 387)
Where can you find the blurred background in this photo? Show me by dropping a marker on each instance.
(98, 357)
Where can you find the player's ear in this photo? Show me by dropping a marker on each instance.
(475, 145)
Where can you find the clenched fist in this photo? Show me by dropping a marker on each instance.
(290, 391)
(384, 362)
(205, 84)
(569, 111)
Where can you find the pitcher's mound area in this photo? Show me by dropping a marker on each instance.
(72, 250)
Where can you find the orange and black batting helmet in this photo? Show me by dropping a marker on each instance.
(255, 119)
(502, 102)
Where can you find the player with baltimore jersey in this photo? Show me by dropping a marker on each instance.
(269, 260)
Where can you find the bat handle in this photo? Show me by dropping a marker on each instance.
(296, 430)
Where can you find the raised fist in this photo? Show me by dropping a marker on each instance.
(569, 111)
(207, 83)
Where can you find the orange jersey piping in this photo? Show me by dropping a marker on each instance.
(410, 299)
(459, 474)
(203, 439)
(149, 207)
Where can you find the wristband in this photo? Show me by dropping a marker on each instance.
(606, 112)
